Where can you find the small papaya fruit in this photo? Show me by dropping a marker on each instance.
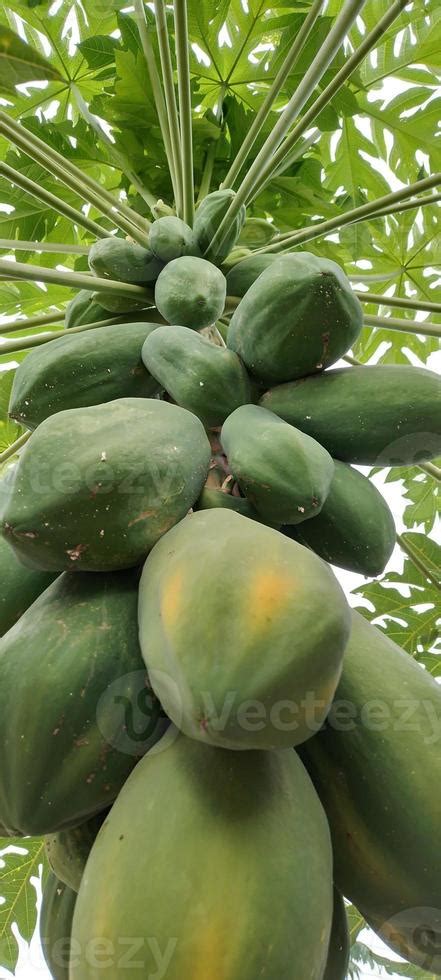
(373, 415)
(284, 474)
(210, 499)
(191, 292)
(76, 707)
(82, 309)
(298, 317)
(208, 380)
(254, 820)
(339, 943)
(208, 217)
(116, 258)
(80, 370)
(119, 305)
(94, 488)
(19, 587)
(257, 232)
(170, 237)
(242, 275)
(68, 850)
(57, 908)
(279, 597)
(355, 528)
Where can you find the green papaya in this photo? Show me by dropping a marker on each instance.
(203, 845)
(236, 255)
(19, 587)
(119, 305)
(355, 528)
(242, 275)
(208, 217)
(210, 499)
(261, 592)
(80, 370)
(170, 237)
(94, 488)
(57, 908)
(76, 708)
(68, 850)
(257, 232)
(191, 292)
(375, 765)
(82, 309)
(116, 258)
(379, 415)
(208, 380)
(298, 317)
(284, 474)
(339, 943)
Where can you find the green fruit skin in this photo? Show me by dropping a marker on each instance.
(372, 415)
(119, 305)
(257, 232)
(82, 309)
(245, 273)
(95, 488)
(191, 292)
(261, 592)
(64, 730)
(170, 237)
(208, 380)
(19, 587)
(205, 858)
(68, 850)
(376, 765)
(57, 908)
(339, 943)
(211, 499)
(115, 258)
(208, 217)
(283, 473)
(298, 317)
(81, 370)
(355, 528)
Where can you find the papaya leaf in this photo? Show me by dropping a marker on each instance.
(20, 860)
(19, 62)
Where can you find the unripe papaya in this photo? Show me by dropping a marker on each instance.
(283, 473)
(211, 499)
(339, 943)
(119, 305)
(257, 232)
(208, 217)
(57, 908)
(205, 858)
(116, 258)
(80, 370)
(268, 603)
(298, 317)
(208, 380)
(94, 488)
(170, 237)
(68, 850)
(191, 292)
(374, 415)
(242, 275)
(355, 528)
(376, 764)
(19, 587)
(83, 309)
(76, 707)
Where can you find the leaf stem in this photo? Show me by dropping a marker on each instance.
(170, 95)
(276, 87)
(431, 470)
(428, 574)
(52, 201)
(425, 328)
(14, 447)
(12, 326)
(401, 301)
(184, 89)
(12, 245)
(210, 158)
(74, 280)
(312, 76)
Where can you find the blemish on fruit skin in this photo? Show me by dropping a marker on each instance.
(75, 553)
(269, 591)
(141, 517)
(171, 601)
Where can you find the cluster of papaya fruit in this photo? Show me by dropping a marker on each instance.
(196, 467)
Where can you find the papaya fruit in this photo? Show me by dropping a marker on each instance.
(262, 592)
(116, 258)
(208, 217)
(298, 317)
(236, 255)
(94, 488)
(242, 275)
(76, 708)
(339, 943)
(375, 765)
(372, 415)
(208, 380)
(191, 292)
(257, 232)
(210, 499)
(57, 908)
(82, 309)
(284, 474)
(170, 237)
(355, 528)
(80, 370)
(119, 305)
(68, 850)
(19, 587)
(203, 845)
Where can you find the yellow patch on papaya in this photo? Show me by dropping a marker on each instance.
(171, 602)
(208, 952)
(269, 592)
